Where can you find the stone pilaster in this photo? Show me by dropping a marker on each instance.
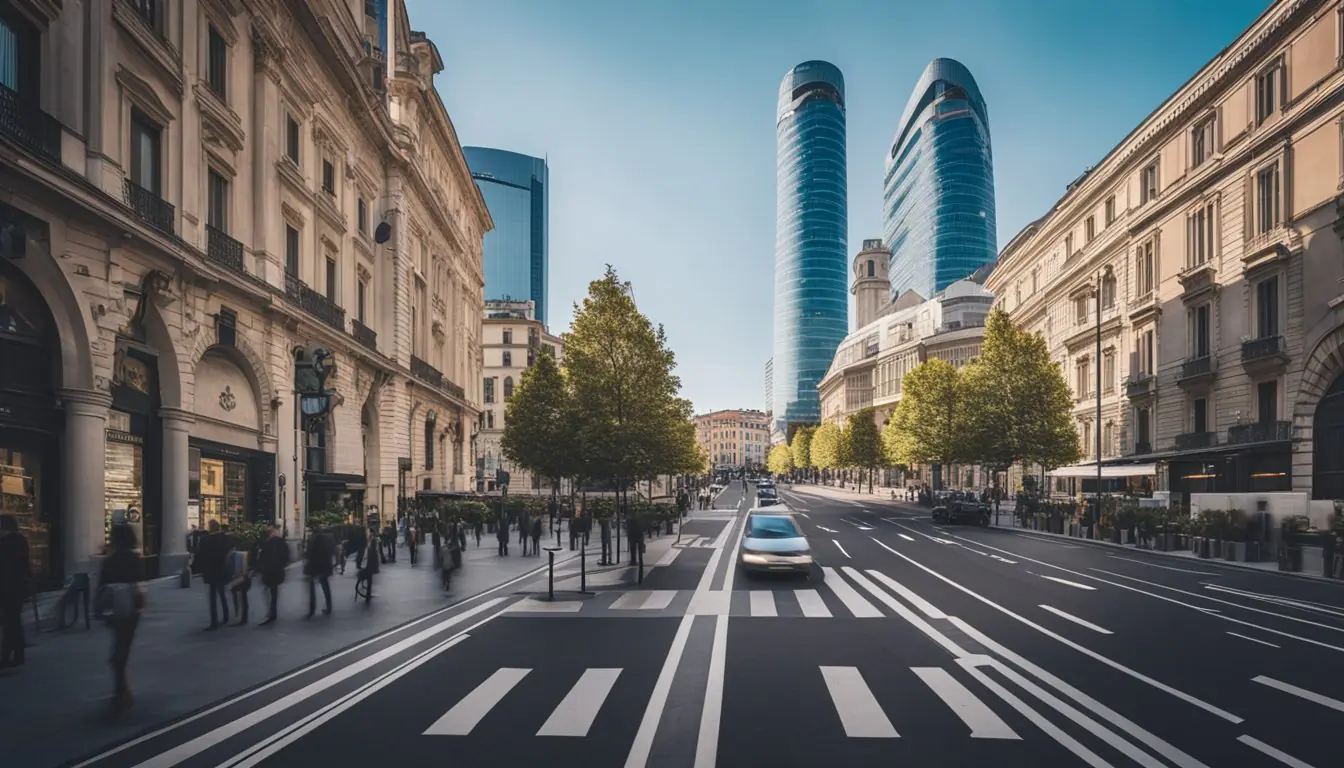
(82, 477)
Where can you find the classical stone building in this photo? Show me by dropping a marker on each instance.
(734, 439)
(1211, 238)
(511, 339)
(188, 192)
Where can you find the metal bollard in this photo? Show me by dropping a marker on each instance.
(550, 556)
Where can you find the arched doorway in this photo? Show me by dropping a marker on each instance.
(232, 478)
(30, 424)
(1328, 444)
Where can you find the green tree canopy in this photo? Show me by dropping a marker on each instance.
(537, 432)
(1018, 403)
(929, 420)
(828, 450)
(801, 447)
(864, 442)
(780, 461)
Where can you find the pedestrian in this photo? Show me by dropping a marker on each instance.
(536, 535)
(478, 527)
(360, 545)
(370, 568)
(272, 562)
(244, 563)
(503, 535)
(213, 554)
(436, 540)
(606, 541)
(634, 533)
(119, 579)
(317, 567)
(16, 575)
(524, 528)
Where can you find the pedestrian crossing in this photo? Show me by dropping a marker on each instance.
(844, 592)
(856, 706)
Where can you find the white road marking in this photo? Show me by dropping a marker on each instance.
(842, 549)
(1075, 620)
(630, 601)
(942, 541)
(857, 524)
(924, 606)
(533, 605)
(668, 558)
(982, 721)
(828, 530)
(763, 603)
(860, 714)
(196, 746)
(1004, 560)
(804, 514)
(862, 609)
(1068, 583)
(901, 610)
(691, 541)
(658, 600)
(907, 538)
(1305, 605)
(467, 713)
(1263, 748)
(653, 713)
(1302, 693)
(1163, 567)
(1254, 640)
(809, 600)
(577, 711)
(707, 745)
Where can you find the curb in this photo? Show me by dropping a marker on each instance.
(1047, 536)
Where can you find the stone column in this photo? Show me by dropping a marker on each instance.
(83, 504)
(173, 517)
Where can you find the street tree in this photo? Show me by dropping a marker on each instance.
(536, 434)
(1018, 404)
(828, 446)
(864, 443)
(780, 461)
(801, 448)
(929, 421)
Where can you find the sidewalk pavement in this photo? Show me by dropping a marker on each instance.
(56, 705)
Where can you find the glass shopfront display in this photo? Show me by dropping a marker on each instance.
(230, 485)
(124, 476)
(223, 493)
(21, 496)
(133, 450)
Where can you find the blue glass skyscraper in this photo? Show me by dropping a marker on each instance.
(938, 198)
(811, 240)
(515, 190)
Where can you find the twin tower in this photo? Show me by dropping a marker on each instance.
(937, 216)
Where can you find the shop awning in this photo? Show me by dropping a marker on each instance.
(1107, 470)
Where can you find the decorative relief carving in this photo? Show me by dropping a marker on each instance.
(220, 125)
(227, 400)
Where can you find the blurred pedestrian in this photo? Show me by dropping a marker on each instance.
(123, 601)
(16, 575)
(318, 568)
(273, 560)
(213, 554)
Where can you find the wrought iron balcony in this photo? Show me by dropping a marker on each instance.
(1260, 432)
(364, 335)
(148, 207)
(314, 303)
(454, 390)
(1196, 368)
(23, 121)
(1143, 447)
(1140, 385)
(224, 250)
(426, 372)
(1263, 353)
(1194, 441)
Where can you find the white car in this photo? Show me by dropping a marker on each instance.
(773, 541)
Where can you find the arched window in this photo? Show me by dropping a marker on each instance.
(871, 268)
(429, 439)
(508, 387)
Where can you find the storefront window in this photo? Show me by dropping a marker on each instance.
(20, 496)
(124, 476)
(223, 492)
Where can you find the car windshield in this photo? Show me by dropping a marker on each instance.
(772, 527)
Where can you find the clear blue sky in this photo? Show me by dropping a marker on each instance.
(658, 119)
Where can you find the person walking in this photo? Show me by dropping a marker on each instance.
(213, 554)
(244, 564)
(16, 575)
(318, 568)
(359, 544)
(503, 535)
(272, 562)
(536, 535)
(524, 530)
(478, 527)
(119, 579)
(367, 573)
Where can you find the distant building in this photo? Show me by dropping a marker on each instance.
(516, 190)
(511, 339)
(734, 439)
(769, 380)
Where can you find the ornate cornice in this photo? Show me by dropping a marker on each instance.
(158, 50)
(220, 125)
(144, 96)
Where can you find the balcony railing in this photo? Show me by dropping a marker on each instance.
(314, 303)
(1194, 441)
(22, 120)
(433, 376)
(364, 335)
(1197, 367)
(1139, 385)
(149, 207)
(224, 250)
(1143, 447)
(1259, 349)
(1260, 432)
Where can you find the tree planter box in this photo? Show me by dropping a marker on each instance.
(1313, 560)
(1234, 551)
(1205, 547)
(1215, 548)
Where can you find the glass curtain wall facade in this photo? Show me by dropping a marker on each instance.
(811, 240)
(516, 251)
(938, 196)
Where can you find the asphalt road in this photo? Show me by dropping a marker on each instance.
(909, 644)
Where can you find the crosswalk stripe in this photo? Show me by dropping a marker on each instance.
(763, 603)
(861, 608)
(812, 604)
(860, 714)
(473, 707)
(659, 599)
(668, 558)
(982, 721)
(630, 601)
(925, 607)
(577, 711)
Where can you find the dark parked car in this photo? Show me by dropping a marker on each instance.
(958, 507)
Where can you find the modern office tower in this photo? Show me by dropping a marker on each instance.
(811, 245)
(516, 254)
(938, 201)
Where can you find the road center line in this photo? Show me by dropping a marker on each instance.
(1075, 619)
(1254, 640)
(842, 549)
(1069, 583)
(1163, 567)
(707, 746)
(653, 713)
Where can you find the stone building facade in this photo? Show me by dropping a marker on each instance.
(735, 439)
(1211, 239)
(188, 193)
